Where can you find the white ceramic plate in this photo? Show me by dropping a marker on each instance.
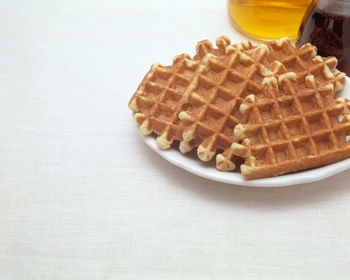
(192, 164)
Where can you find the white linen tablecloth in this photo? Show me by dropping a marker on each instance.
(82, 197)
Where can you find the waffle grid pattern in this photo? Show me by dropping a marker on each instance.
(215, 96)
(304, 62)
(158, 100)
(199, 101)
(290, 131)
(208, 123)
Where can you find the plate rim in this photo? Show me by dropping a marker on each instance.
(297, 178)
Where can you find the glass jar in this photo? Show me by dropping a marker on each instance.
(267, 19)
(327, 26)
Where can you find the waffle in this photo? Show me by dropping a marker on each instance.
(292, 129)
(303, 62)
(157, 101)
(215, 96)
(217, 92)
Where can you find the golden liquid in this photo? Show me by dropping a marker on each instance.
(268, 19)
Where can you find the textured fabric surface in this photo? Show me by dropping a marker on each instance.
(82, 197)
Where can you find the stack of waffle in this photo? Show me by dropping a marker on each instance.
(272, 105)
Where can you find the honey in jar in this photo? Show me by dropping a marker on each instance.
(267, 19)
(327, 26)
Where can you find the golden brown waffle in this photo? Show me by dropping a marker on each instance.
(217, 92)
(215, 96)
(157, 101)
(292, 129)
(303, 62)
(206, 92)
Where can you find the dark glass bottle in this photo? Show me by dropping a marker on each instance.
(327, 26)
